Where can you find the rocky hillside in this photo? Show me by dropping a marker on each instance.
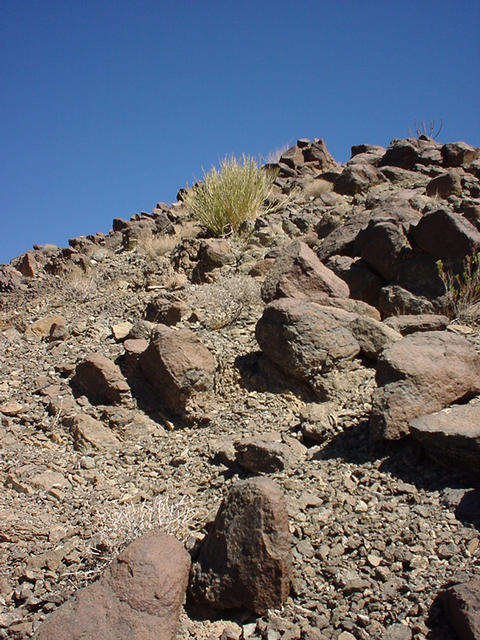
(313, 372)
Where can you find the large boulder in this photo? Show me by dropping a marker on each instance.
(139, 596)
(444, 234)
(298, 273)
(381, 245)
(101, 380)
(462, 606)
(357, 177)
(245, 560)
(452, 436)
(304, 338)
(177, 365)
(456, 154)
(421, 373)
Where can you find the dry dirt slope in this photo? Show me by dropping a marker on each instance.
(376, 526)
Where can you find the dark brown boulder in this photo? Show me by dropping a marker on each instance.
(363, 283)
(138, 597)
(177, 365)
(10, 279)
(402, 153)
(444, 234)
(298, 273)
(381, 245)
(456, 154)
(101, 380)
(452, 436)
(356, 178)
(394, 299)
(462, 607)
(245, 560)
(421, 373)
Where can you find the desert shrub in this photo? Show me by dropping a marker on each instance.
(225, 301)
(226, 198)
(119, 526)
(462, 297)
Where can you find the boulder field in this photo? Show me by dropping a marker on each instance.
(266, 436)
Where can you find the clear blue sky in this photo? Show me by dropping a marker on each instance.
(107, 107)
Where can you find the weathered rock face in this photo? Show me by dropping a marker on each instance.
(452, 436)
(245, 560)
(101, 380)
(304, 338)
(139, 596)
(462, 606)
(268, 453)
(420, 374)
(455, 154)
(298, 273)
(89, 433)
(177, 365)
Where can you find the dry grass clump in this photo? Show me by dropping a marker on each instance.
(462, 297)
(226, 198)
(121, 525)
(223, 302)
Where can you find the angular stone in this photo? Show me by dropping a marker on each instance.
(41, 328)
(372, 336)
(462, 606)
(304, 338)
(363, 283)
(120, 330)
(394, 299)
(138, 596)
(298, 273)
(164, 311)
(89, 433)
(452, 436)
(101, 380)
(445, 185)
(356, 178)
(402, 153)
(406, 324)
(444, 234)
(27, 265)
(381, 245)
(456, 154)
(268, 453)
(245, 559)
(421, 373)
(177, 365)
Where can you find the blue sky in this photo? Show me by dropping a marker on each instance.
(108, 107)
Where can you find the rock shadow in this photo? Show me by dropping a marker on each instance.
(258, 373)
(404, 459)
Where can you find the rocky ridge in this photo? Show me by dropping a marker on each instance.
(155, 365)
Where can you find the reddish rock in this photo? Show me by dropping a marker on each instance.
(10, 279)
(138, 597)
(452, 436)
(268, 452)
(363, 283)
(298, 273)
(420, 374)
(177, 365)
(27, 265)
(101, 380)
(462, 606)
(444, 234)
(245, 560)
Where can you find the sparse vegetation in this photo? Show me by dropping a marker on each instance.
(462, 297)
(432, 130)
(226, 198)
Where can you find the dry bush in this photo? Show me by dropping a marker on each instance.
(315, 188)
(235, 194)
(121, 525)
(156, 245)
(223, 302)
(462, 297)
(274, 156)
(80, 287)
